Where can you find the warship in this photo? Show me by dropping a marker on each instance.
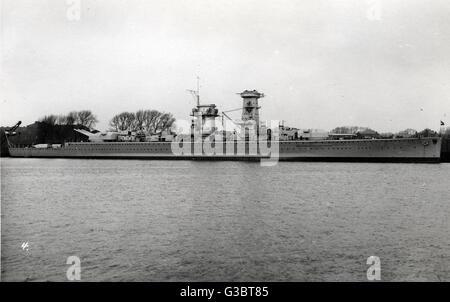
(251, 140)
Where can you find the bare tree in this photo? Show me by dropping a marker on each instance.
(86, 118)
(158, 121)
(140, 118)
(152, 121)
(165, 122)
(72, 118)
(123, 121)
(114, 123)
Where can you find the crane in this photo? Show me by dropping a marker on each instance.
(234, 122)
(226, 115)
(11, 130)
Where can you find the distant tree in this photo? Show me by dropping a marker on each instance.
(387, 135)
(82, 118)
(152, 121)
(114, 123)
(367, 133)
(350, 129)
(123, 121)
(427, 133)
(157, 121)
(140, 118)
(165, 122)
(86, 118)
(72, 118)
(61, 119)
(407, 133)
(49, 119)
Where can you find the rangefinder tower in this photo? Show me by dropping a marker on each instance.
(250, 112)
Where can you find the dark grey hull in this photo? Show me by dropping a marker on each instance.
(254, 159)
(423, 150)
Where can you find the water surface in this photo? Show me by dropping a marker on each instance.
(132, 220)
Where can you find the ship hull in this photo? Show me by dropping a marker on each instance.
(380, 150)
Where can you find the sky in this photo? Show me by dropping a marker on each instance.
(321, 64)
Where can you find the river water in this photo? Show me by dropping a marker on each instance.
(132, 220)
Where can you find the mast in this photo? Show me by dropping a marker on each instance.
(204, 116)
(198, 91)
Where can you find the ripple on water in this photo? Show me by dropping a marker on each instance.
(223, 221)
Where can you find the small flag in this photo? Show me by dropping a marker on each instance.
(442, 123)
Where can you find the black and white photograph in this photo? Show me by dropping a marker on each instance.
(228, 141)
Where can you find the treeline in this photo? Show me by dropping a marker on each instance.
(350, 129)
(405, 133)
(151, 121)
(84, 118)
